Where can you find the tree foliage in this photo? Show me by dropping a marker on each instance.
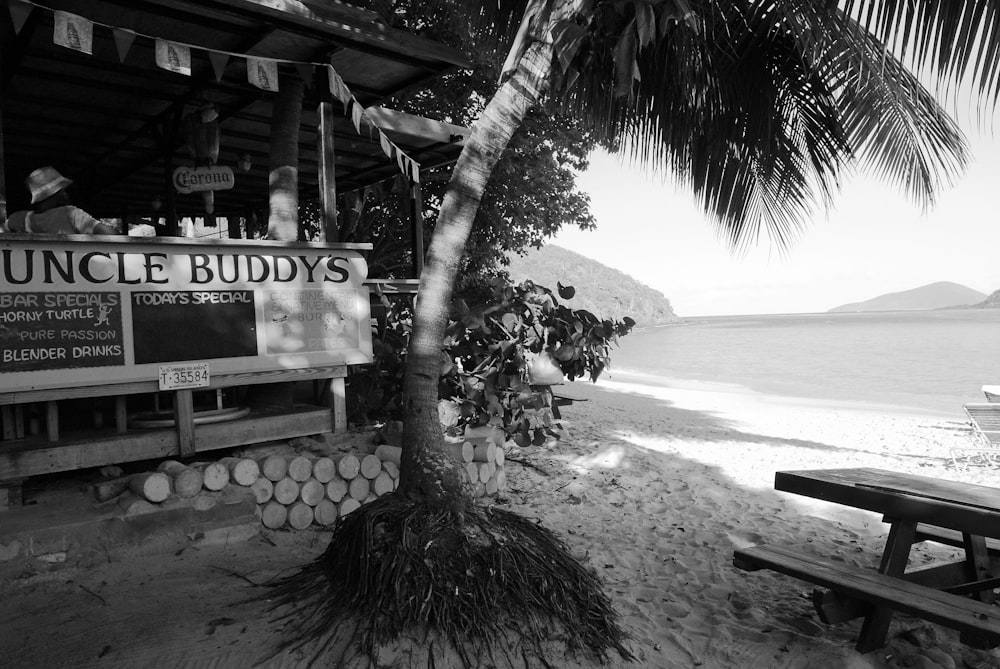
(490, 358)
(532, 193)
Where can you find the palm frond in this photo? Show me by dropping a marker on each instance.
(955, 40)
(763, 108)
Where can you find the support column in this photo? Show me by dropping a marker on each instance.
(3, 172)
(327, 167)
(416, 205)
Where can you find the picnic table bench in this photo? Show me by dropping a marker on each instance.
(958, 594)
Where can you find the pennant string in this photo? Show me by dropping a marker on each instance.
(176, 57)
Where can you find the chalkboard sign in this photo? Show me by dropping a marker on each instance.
(193, 325)
(64, 330)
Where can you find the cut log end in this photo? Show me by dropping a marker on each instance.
(263, 490)
(151, 486)
(359, 488)
(243, 471)
(336, 490)
(215, 475)
(300, 468)
(286, 491)
(371, 467)
(273, 515)
(325, 513)
(348, 505)
(273, 467)
(348, 466)
(300, 515)
(312, 492)
(383, 484)
(324, 469)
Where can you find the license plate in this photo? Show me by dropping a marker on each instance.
(194, 375)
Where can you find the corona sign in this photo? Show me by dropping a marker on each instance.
(195, 179)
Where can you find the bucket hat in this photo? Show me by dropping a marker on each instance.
(45, 182)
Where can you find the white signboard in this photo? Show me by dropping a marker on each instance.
(101, 310)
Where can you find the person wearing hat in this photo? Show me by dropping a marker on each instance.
(52, 213)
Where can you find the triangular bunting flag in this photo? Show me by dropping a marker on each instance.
(219, 62)
(415, 171)
(73, 32)
(338, 88)
(123, 40)
(356, 116)
(173, 57)
(386, 144)
(400, 157)
(263, 73)
(19, 13)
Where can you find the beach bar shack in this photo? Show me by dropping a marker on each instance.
(162, 113)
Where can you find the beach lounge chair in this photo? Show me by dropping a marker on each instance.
(992, 393)
(985, 420)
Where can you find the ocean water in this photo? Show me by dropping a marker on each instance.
(932, 361)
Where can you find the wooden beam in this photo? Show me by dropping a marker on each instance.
(184, 421)
(3, 173)
(142, 387)
(415, 203)
(34, 458)
(330, 19)
(338, 404)
(418, 127)
(326, 169)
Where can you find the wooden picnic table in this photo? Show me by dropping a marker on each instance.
(959, 594)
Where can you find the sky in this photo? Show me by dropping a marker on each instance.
(872, 241)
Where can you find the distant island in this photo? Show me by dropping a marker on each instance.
(601, 290)
(940, 295)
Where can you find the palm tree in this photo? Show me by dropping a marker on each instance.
(760, 107)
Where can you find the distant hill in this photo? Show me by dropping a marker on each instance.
(601, 290)
(991, 302)
(940, 295)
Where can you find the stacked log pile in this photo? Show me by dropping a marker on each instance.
(299, 491)
(317, 490)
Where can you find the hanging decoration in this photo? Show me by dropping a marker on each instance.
(173, 57)
(219, 61)
(123, 41)
(263, 73)
(200, 130)
(76, 32)
(19, 13)
(73, 32)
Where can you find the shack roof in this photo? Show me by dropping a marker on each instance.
(105, 119)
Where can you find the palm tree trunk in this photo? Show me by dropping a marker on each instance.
(426, 470)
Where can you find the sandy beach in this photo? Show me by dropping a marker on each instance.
(652, 486)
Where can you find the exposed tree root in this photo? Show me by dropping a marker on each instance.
(485, 585)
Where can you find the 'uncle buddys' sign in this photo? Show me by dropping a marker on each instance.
(98, 310)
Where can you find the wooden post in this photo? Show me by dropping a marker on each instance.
(52, 420)
(184, 420)
(327, 166)
(338, 404)
(121, 414)
(415, 202)
(169, 133)
(7, 418)
(3, 172)
(234, 225)
(902, 534)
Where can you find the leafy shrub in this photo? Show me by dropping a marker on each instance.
(490, 358)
